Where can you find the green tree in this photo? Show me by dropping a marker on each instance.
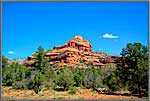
(8, 76)
(40, 60)
(14, 72)
(20, 71)
(4, 62)
(93, 78)
(132, 68)
(42, 65)
(4, 67)
(65, 78)
(50, 78)
(113, 82)
(38, 82)
(137, 64)
(79, 75)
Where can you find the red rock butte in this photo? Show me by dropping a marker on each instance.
(73, 52)
(77, 43)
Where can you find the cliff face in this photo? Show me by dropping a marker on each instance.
(73, 52)
(77, 43)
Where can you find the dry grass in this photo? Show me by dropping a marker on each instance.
(9, 93)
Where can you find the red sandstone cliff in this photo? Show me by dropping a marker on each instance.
(73, 52)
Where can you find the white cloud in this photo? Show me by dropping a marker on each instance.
(106, 35)
(11, 52)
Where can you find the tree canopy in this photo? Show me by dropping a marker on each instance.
(132, 70)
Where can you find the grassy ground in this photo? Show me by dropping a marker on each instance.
(10, 93)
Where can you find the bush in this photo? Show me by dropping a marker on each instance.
(38, 82)
(19, 85)
(79, 75)
(93, 78)
(113, 82)
(64, 78)
(49, 85)
(4, 68)
(73, 90)
(29, 79)
(14, 72)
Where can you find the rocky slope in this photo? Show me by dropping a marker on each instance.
(73, 52)
(18, 60)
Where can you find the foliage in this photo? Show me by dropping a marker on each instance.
(4, 63)
(20, 71)
(93, 78)
(44, 68)
(131, 73)
(41, 62)
(65, 78)
(135, 60)
(4, 67)
(14, 72)
(73, 90)
(50, 77)
(79, 75)
(20, 85)
(132, 70)
(38, 82)
(112, 81)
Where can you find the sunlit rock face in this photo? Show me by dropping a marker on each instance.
(77, 43)
(73, 52)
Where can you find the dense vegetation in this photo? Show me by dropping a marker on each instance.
(131, 73)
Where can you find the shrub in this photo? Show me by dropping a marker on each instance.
(79, 75)
(4, 68)
(73, 90)
(49, 85)
(19, 85)
(65, 78)
(14, 72)
(38, 82)
(93, 78)
(113, 82)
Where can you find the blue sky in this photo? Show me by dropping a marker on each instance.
(108, 26)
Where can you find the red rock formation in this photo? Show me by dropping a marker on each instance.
(73, 52)
(78, 43)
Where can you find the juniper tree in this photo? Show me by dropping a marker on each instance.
(132, 70)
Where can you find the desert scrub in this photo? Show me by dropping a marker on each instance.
(38, 82)
(73, 90)
(19, 85)
(80, 97)
(9, 98)
(50, 93)
(59, 97)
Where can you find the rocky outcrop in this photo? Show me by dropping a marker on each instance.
(75, 51)
(77, 43)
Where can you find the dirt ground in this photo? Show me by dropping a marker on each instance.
(10, 93)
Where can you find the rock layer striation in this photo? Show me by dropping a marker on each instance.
(75, 51)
